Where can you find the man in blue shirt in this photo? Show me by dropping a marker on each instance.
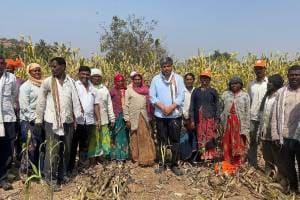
(167, 96)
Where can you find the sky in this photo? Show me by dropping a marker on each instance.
(184, 27)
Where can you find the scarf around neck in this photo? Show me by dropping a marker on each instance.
(2, 84)
(34, 81)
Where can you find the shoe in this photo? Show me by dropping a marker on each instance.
(177, 171)
(160, 169)
(5, 185)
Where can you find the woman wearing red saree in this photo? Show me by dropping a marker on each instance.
(236, 121)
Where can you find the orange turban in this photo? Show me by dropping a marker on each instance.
(14, 64)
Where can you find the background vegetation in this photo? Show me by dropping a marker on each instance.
(129, 44)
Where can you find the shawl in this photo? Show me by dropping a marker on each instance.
(33, 80)
(173, 87)
(55, 88)
(144, 90)
(2, 84)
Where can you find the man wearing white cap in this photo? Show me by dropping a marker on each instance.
(106, 114)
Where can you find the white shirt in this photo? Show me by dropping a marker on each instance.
(88, 98)
(9, 97)
(106, 107)
(69, 102)
(187, 102)
(257, 91)
(28, 95)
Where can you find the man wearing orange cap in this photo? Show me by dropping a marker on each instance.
(8, 94)
(11, 66)
(257, 90)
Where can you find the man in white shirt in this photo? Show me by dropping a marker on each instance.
(8, 95)
(89, 99)
(57, 105)
(189, 80)
(257, 90)
(188, 147)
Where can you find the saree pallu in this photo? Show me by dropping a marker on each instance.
(206, 136)
(119, 140)
(234, 144)
(141, 144)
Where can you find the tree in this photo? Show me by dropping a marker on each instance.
(131, 39)
(44, 50)
(218, 55)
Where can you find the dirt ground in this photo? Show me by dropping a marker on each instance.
(128, 181)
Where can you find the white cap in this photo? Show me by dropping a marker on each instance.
(133, 73)
(96, 71)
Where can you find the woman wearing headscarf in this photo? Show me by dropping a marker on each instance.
(204, 116)
(100, 142)
(137, 113)
(119, 139)
(236, 121)
(28, 95)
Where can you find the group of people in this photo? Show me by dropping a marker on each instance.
(59, 120)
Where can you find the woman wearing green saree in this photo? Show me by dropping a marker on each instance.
(119, 136)
(100, 141)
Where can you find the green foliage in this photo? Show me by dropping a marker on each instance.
(132, 39)
(222, 65)
(11, 48)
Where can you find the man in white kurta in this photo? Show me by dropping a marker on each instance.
(8, 95)
(57, 105)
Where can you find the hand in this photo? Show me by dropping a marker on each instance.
(247, 144)
(170, 109)
(98, 124)
(162, 107)
(192, 125)
(128, 125)
(75, 125)
(112, 124)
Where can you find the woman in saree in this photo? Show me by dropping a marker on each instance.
(137, 113)
(236, 121)
(100, 142)
(119, 136)
(204, 116)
